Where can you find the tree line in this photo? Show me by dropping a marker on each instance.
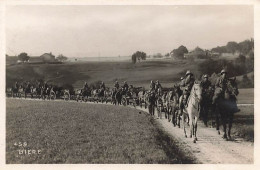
(245, 48)
(23, 57)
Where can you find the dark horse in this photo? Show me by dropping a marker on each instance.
(205, 103)
(117, 96)
(151, 101)
(173, 105)
(226, 107)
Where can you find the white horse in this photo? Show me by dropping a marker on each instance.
(192, 110)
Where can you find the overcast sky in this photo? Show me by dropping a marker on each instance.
(87, 31)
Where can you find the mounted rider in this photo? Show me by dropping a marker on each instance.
(205, 84)
(158, 87)
(220, 86)
(125, 86)
(206, 98)
(152, 86)
(116, 85)
(186, 88)
(45, 86)
(102, 86)
(28, 85)
(16, 85)
(85, 87)
(189, 80)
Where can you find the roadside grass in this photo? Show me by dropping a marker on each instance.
(70, 132)
(246, 96)
(243, 125)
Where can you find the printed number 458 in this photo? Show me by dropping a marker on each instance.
(20, 144)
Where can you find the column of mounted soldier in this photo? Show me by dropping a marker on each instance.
(171, 101)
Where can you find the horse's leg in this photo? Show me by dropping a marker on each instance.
(195, 128)
(191, 123)
(217, 120)
(231, 116)
(206, 111)
(224, 123)
(183, 120)
(173, 116)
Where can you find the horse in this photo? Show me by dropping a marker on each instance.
(151, 101)
(226, 106)
(27, 90)
(206, 102)
(98, 94)
(141, 98)
(36, 91)
(160, 105)
(192, 110)
(82, 94)
(108, 95)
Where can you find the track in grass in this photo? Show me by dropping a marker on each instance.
(67, 132)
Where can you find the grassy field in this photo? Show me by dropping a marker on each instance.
(243, 125)
(75, 73)
(70, 132)
(246, 96)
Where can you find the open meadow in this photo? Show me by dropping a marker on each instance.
(75, 73)
(70, 132)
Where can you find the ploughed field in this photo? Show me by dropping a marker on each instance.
(70, 132)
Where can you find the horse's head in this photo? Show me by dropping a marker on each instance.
(196, 91)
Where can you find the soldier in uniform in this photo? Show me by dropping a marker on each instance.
(206, 98)
(116, 85)
(158, 87)
(189, 80)
(85, 86)
(188, 83)
(45, 86)
(152, 86)
(16, 85)
(220, 86)
(125, 86)
(102, 86)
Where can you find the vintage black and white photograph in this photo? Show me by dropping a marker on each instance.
(129, 84)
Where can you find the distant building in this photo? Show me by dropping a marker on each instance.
(48, 57)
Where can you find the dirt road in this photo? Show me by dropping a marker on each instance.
(210, 147)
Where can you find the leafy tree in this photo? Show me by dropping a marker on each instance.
(219, 50)
(133, 59)
(167, 55)
(179, 52)
(245, 46)
(62, 58)
(23, 57)
(138, 55)
(232, 47)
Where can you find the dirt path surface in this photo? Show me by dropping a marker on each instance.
(210, 147)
